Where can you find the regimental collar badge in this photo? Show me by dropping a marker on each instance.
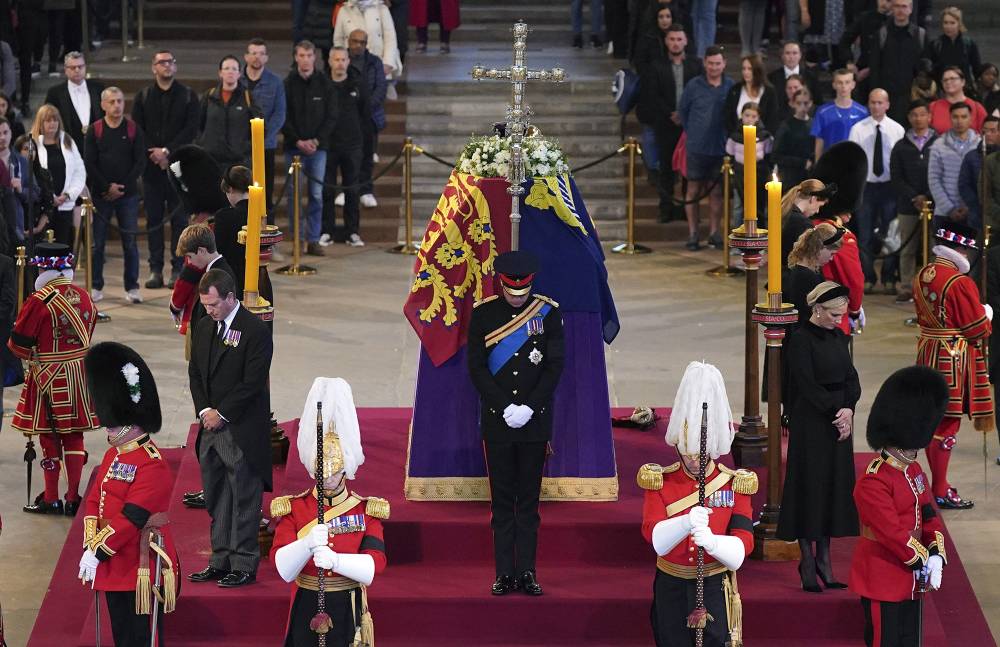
(232, 338)
(535, 326)
(535, 356)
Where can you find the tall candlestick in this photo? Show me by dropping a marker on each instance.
(255, 214)
(774, 236)
(257, 143)
(749, 172)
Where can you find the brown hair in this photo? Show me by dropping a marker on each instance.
(810, 243)
(758, 80)
(238, 178)
(803, 189)
(45, 112)
(195, 236)
(218, 279)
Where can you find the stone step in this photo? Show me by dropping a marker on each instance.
(573, 104)
(555, 126)
(537, 94)
(215, 11)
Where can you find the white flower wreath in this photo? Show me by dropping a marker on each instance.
(131, 373)
(489, 156)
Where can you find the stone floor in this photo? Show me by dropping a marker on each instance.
(346, 321)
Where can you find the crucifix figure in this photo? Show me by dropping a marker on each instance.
(518, 113)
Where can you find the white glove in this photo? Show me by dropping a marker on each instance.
(317, 537)
(88, 567)
(862, 320)
(358, 567)
(935, 568)
(728, 550)
(324, 558)
(698, 517)
(511, 408)
(669, 532)
(520, 416)
(290, 559)
(989, 311)
(704, 538)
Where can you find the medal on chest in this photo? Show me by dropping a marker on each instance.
(536, 326)
(720, 499)
(346, 524)
(919, 484)
(535, 356)
(121, 472)
(232, 338)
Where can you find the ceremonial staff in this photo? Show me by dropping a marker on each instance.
(699, 616)
(321, 622)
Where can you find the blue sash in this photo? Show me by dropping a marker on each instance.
(510, 344)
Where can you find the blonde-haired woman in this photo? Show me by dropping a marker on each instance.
(954, 47)
(817, 501)
(802, 202)
(813, 249)
(58, 154)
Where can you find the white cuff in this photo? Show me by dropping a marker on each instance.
(669, 532)
(730, 551)
(290, 559)
(989, 311)
(358, 567)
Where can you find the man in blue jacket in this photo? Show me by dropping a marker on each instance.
(268, 94)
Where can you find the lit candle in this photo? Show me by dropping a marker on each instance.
(749, 172)
(773, 235)
(255, 214)
(257, 142)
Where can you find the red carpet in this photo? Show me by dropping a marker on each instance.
(596, 568)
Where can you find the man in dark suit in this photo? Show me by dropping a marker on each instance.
(230, 361)
(791, 63)
(77, 99)
(515, 356)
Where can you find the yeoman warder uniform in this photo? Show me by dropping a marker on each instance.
(901, 553)
(676, 526)
(52, 333)
(515, 356)
(348, 549)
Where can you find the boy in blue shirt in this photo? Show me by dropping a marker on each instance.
(833, 120)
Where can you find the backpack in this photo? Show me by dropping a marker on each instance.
(883, 34)
(130, 129)
(625, 90)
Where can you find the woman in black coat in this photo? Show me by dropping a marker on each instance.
(817, 501)
(754, 87)
(953, 47)
(813, 249)
(228, 222)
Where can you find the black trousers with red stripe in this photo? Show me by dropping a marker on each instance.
(892, 624)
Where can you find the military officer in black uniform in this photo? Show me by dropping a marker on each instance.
(515, 356)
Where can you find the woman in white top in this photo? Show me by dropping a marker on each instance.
(372, 17)
(57, 153)
(754, 87)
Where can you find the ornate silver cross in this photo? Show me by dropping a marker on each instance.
(518, 114)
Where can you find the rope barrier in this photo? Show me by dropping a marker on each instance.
(356, 185)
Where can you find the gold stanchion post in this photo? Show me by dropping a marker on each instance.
(296, 268)
(726, 269)
(630, 246)
(407, 247)
(21, 263)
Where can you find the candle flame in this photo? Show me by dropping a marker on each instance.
(774, 176)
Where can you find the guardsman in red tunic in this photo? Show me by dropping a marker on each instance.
(128, 549)
(845, 268)
(52, 333)
(348, 549)
(954, 331)
(901, 552)
(674, 523)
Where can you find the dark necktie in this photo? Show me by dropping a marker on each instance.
(878, 164)
(221, 335)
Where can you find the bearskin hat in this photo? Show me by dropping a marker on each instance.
(845, 165)
(122, 387)
(907, 409)
(197, 177)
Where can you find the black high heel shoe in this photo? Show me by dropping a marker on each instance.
(830, 584)
(808, 587)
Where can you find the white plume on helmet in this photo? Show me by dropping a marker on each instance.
(701, 383)
(338, 412)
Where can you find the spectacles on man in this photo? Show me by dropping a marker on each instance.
(950, 78)
(166, 61)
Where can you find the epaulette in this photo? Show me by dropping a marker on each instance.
(650, 476)
(874, 466)
(482, 301)
(376, 507)
(282, 505)
(744, 481)
(546, 299)
(152, 451)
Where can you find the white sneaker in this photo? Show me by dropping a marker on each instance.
(277, 256)
(325, 240)
(355, 241)
(368, 201)
(390, 92)
(339, 200)
(375, 158)
(133, 296)
(96, 295)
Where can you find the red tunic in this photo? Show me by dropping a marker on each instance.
(845, 268)
(184, 295)
(353, 529)
(731, 512)
(52, 333)
(953, 333)
(423, 12)
(900, 529)
(133, 483)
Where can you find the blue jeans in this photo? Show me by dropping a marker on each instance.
(877, 211)
(126, 209)
(160, 200)
(313, 166)
(703, 14)
(650, 150)
(596, 16)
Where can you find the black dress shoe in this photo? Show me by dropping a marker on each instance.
(809, 584)
(829, 583)
(237, 578)
(71, 507)
(41, 507)
(952, 501)
(503, 585)
(197, 501)
(210, 574)
(194, 495)
(528, 583)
